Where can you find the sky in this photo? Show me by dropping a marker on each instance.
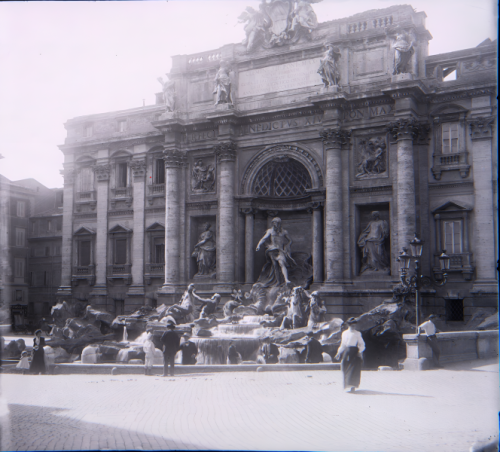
(59, 60)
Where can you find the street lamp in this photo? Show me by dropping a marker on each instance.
(416, 281)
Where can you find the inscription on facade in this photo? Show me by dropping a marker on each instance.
(368, 112)
(269, 126)
(298, 74)
(192, 137)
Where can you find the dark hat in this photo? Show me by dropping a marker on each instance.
(310, 334)
(351, 321)
(37, 331)
(170, 324)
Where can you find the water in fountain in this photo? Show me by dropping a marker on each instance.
(125, 334)
(214, 350)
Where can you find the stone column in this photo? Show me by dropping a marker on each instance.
(317, 242)
(334, 241)
(173, 161)
(67, 233)
(249, 246)
(481, 132)
(138, 175)
(226, 155)
(404, 131)
(98, 293)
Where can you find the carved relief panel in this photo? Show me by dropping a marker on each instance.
(370, 157)
(203, 173)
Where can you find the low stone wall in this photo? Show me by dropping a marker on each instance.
(454, 346)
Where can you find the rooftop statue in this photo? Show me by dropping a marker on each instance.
(329, 67)
(402, 43)
(278, 22)
(278, 255)
(168, 94)
(223, 84)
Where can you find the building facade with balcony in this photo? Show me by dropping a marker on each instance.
(319, 126)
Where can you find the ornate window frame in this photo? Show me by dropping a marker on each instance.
(460, 262)
(120, 271)
(155, 189)
(85, 197)
(83, 272)
(457, 161)
(121, 193)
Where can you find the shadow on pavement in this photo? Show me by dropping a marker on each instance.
(368, 392)
(47, 428)
(477, 365)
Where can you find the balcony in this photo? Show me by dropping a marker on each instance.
(450, 162)
(155, 191)
(120, 271)
(85, 198)
(154, 271)
(83, 273)
(121, 194)
(459, 263)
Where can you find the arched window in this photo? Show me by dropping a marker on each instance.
(282, 177)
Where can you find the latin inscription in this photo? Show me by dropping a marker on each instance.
(370, 112)
(282, 77)
(269, 126)
(193, 137)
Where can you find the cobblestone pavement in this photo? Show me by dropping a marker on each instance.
(441, 410)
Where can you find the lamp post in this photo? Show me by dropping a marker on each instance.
(415, 281)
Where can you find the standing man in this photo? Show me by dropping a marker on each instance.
(351, 350)
(270, 352)
(189, 350)
(170, 341)
(314, 350)
(430, 331)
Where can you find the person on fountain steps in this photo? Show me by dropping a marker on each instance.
(171, 342)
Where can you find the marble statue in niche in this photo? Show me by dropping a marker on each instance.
(329, 67)
(402, 43)
(203, 177)
(372, 157)
(168, 88)
(372, 243)
(205, 252)
(222, 87)
(278, 256)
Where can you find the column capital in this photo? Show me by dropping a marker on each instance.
(409, 129)
(102, 172)
(312, 206)
(226, 152)
(334, 138)
(248, 211)
(138, 168)
(68, 175)
(481, 128)
(173, 158)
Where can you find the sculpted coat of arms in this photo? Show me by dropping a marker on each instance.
(278, 22)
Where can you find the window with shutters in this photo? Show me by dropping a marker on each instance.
(450, 138)
(159, 171)
(21, 209)
(86, 180)
(452, 231)
(19, 266)
(20, 237)
(121, 175)
(84, 252)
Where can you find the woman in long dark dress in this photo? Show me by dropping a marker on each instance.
(38, 360)
(351, 350)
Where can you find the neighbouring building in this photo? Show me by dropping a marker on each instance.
(29, 282)
(347, 130)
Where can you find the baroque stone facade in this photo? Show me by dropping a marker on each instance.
(355, 149)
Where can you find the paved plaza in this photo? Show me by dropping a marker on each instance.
(440, 410)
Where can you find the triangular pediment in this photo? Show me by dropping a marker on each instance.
(451, 206)
(119, 229)
(84, 231)
(156, 227)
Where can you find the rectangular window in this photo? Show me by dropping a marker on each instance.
(84, 253)
(88, 131)
(453, 236)
(159, 253)
(159, 171)
(86, 180)
(33, 227)
(18, 267)
(59, 224)
(57, 251)
(19, 295)
(20, 236)
(121, 175)
(450, 138)
(21, 209)
(39, 251)
(122, 126)
(46, 279)
(49, 225)
(120, 251)
(47, 250)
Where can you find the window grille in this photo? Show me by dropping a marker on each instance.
(455, 310)
(282, 177)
